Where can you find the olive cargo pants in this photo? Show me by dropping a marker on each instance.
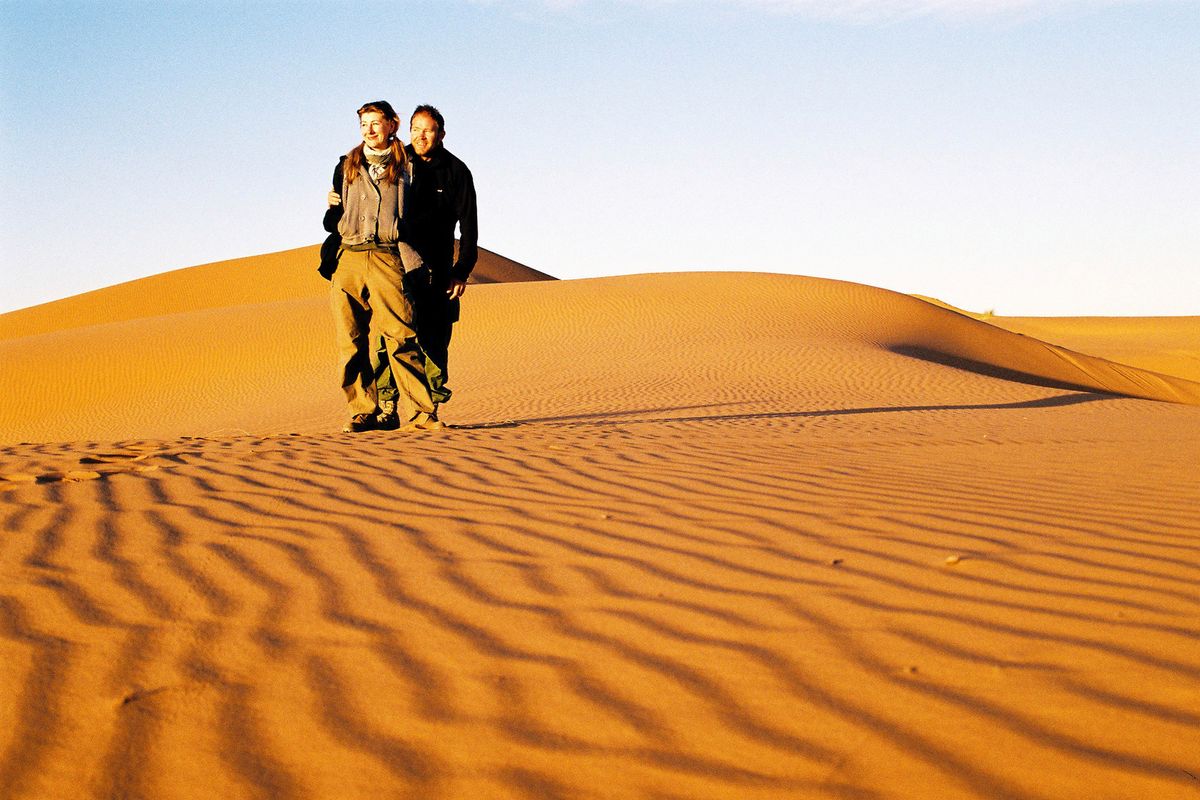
(368, 293)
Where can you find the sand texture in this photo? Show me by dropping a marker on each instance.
(695, 535)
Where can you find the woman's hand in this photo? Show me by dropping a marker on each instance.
(334, 199)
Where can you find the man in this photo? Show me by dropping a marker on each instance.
(442, 196)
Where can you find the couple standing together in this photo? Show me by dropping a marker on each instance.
(391, 262)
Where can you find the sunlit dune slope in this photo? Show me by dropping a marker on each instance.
(1170, 345)
(287, 275)
(263, 364)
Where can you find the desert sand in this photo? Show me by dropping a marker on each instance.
(691, 535)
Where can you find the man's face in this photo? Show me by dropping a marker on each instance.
(425, 135)
(376, 128)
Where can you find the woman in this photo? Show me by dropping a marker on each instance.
(376, 270)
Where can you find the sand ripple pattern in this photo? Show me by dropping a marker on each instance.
(842, 603)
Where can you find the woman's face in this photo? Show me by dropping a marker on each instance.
(376, 129)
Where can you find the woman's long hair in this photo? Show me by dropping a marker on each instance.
(354, 159)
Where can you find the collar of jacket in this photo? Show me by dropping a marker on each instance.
(435, 155)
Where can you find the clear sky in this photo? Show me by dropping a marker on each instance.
(1027, 156)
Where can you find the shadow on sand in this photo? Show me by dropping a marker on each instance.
(636, 415)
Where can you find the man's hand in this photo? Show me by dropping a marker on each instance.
(456, 289)
(334, 198)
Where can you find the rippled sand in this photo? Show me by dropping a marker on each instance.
(691, 536)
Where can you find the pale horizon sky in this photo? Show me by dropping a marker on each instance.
(1031, 157)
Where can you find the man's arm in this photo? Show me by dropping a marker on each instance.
(333, 214)
(333, 242)
(468, 226)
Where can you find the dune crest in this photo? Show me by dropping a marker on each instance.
(1167, 345)
(274, 277)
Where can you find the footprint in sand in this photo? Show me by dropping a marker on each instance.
(104, 458)
(74, 475)
(71, 476)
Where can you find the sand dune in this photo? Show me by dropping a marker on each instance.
(1169, 345)
(262, 363)
(693, 535)
(289, 275)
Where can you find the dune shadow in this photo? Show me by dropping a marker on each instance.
(626, 417)
(983, 368)
(597, 417)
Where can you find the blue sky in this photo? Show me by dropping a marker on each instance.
(1027, 156)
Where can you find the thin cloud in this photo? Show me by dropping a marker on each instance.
(885, 10)
(862, 11)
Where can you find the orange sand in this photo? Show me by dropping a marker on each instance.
(693, 536)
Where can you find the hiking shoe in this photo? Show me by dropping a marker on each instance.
(359, 423)
(387, 419)
(424, 421)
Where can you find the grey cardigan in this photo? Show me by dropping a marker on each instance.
(373, 216)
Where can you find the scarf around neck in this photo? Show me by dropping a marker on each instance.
(377, 160)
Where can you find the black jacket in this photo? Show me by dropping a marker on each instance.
(443, 195)
(333, 242)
